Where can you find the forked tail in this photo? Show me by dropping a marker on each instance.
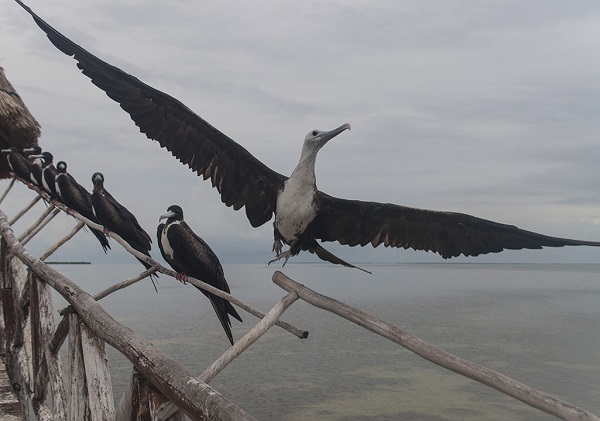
(332, 258)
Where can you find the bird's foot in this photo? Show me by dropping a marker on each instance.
(285, 255)
(105, 231)
(277, 247)
(181, 277)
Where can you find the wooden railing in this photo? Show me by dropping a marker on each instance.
(160, 388)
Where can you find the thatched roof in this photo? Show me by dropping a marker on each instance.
(17, 125)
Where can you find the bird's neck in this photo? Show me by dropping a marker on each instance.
(305, 170)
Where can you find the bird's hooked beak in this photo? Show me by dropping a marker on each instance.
(167, 215)
(97, 178)
(327, 136)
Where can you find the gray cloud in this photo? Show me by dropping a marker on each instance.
(486, 109)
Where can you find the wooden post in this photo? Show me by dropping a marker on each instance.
(17, 338)
(90, 390)
(49, 368)
(37, 345)
(8, 307)
(77, 394)
(146, 400)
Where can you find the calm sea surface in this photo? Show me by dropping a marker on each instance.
(539, 324)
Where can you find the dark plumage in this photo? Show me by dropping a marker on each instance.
(303, 214)
(189, 255)
(37, 163)
(44, 172)
(116, 218)
(76, 197)
(18, 164)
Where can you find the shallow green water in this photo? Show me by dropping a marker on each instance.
(536, 323)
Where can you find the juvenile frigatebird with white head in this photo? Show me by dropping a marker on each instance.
(190, 255)
(303, 214)
(297, 203)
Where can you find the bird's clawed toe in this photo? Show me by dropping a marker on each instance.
(182, 277)
(285, 255)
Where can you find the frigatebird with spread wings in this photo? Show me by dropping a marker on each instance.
(303, 214)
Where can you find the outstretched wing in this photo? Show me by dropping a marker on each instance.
(240, 178)
(449, 234)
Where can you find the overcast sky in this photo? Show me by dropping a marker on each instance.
(489, 108)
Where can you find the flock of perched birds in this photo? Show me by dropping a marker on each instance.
(304, 217)
(185, 251)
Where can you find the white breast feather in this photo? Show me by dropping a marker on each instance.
(295, 208)
(56, 187)
(165, 241)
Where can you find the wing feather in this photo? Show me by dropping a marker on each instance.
(449, 234)
(240, 178)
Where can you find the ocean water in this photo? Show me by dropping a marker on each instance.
(539, 324)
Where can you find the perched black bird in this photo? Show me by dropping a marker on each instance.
(303, 214)
(18, 163)
(116, 218)
(189, 255)
(37, 163)
(76, 197)
(45, 172)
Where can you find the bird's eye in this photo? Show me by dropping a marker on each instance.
(315, 132)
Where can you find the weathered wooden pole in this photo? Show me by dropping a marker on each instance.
(141, 401)
(437, 356)
(90, 389)
(25, 209)
(17, 338)
(62, 241)
(37, 226)
(240, 346)
(198, 400)
(47, 365)
(8, 188)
